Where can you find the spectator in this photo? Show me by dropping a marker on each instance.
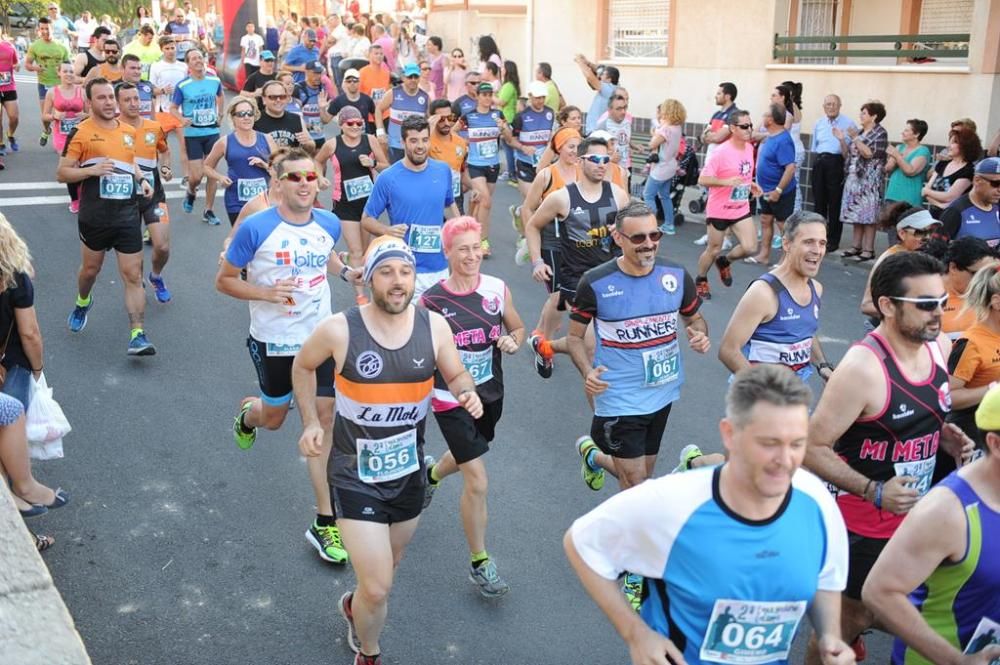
(425, 78)
(510, 91)
(618, 123)
(289, 38)
(907, 164)
(663, 147)
(952, 178)
(994, 149)
(20, 336)
(360, 44)
(962, 123)
(407, 51)
(488, 52)
(454, 75)
(790, 93)
(272, 40)
(142, 17)
(570, 117)
(828, 168)
(491, 75)
(381, 37)
(603, 82)
(977, 213)
(554, 99)
(776, 177)
(865, 155)
(437, 62)
(964, 258)
(32, 497)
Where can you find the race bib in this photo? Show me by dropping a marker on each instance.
(749, 632)
(247, 188)
(478, 363)
(382, 460)
(660, 366)
(66, 125)
(6, 78)
(456, 183)
(117, 186)
(377, 94)
(987, 634)
(315, 127)
(148, 176)
(203, 118)
(489, 149)
(358, 188)
(537, 155)
(146, 107)
(276, 350)
(922, 470)
(426, 239)
(741, 193)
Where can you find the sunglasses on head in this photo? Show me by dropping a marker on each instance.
(276, 98)
(243, 114)
(350, 80)
(639, 238)
(923, 304)
(299, 176)
(597, 159)
(353, 123)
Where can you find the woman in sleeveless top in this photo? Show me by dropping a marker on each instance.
(570, 117)
(246, 152)
(65, 107)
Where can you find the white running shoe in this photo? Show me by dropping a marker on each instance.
(702, 241)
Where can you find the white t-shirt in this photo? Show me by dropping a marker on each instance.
(252, 45)
(343, 44)
(84, 29)
(165, 73)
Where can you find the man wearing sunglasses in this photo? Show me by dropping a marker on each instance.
(110, 69)
(300, 55)
(448, 147)
(977, 213)
(351, 95)
(287, 129)
(312, 95)
(879, 424)
(467, 102)
(401, 102)
(254, 85)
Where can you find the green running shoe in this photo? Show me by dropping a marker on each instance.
(244, 440)
(594, 479)
(632, 588)
(326, 540)
(688, 454)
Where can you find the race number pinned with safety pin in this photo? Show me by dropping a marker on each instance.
(751, 632)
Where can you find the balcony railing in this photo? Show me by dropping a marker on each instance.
(915, 47)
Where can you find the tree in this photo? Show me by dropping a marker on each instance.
(33, 8)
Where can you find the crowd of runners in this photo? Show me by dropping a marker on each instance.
(877, 506)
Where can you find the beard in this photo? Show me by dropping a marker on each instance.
(382, 302)
(926, 332)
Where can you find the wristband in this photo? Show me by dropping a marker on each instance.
(878, 495)
(379, 132)
(779, 190)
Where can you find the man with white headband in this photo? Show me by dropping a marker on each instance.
(386, 354)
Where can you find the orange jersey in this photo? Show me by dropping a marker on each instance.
(104, 71)
(375, 83)
(978, 356)
(453, 151)
(110, 198)
(954, 321)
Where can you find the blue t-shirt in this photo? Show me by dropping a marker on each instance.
(300, 54)
(197, 100)
(777, 152)
(599, 105)
(723, 588)
(417, 199)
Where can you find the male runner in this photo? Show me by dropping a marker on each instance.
(132, 73)
(100, 155)
(618, 123)
(485, 127)
(532, 131)
(110, 69)
(584, 213)
(776, 178)
(251, 45)
(417, 194)
(735, 555)
(44, 57)
(351, 95)
(145, 47)
(300, 55)
(777, 319)
(311, 95)
(728, 174)
(153, 157)
(936, 585)
(286, 128)
(468, 101)
(448, 147)
(287, 251)
(374, 76)
(165, 75)
(197, 104)
(478, 308)
(93, 55)
(385, 355)
(878, 425)
(253, 87)
(8, 94)
(400, 103)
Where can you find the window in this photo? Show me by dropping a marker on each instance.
(942, 17)
(638, 29)
(817, 18)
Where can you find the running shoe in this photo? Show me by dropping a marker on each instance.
(361, 659)
(725, 270)
(14, 147)
(344, 606)
(3, 149)
(78, 317)
(632, 588)
(503, 176)
(727, 244)
(702, 241)
(688, 454)
(776, 242)
(668, 229)
(486, 577)
(162, 293)
(244, 440)
(210, 218)
(3, 166)
(429, 487)
(515, 218)
(327, 541)
(188, 203)
(543, 361)
(74, 207)
(146, 239)
(485, 244)
(140, 345)
(701, 288)
(43, 139)
(594, 479)
(512, 182)
(521, 253)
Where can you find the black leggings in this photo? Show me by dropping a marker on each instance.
(74, 191)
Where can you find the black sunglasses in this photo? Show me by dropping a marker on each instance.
(639, 238)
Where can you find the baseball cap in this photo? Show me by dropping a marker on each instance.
(988, 412)
(315, 66)
(484, 86)
(989, 166)
(352, 73)
(411, 69)
(600, 134)
(309, 34)
(266, 55)
(918, 219)
(538, 89)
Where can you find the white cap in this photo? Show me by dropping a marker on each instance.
(601, 134)
(352, 72)
(538, 89)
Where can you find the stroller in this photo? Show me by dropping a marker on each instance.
(688, 170)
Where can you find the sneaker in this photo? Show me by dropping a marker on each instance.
(503, 176)
(725, 270)
(326, 540)
(78, 317)
(632, 588)
(594, 479)
(688, 454)
(210, 218)
(188, 203)
(74, 207)
(487, 251)
(776, 242)
(515, 218)
(701, 288)
(43, 139)
(141, 346)
(361, 659)
(486, 577)
(702, 241)
(3, 166)
(727, 244)
(344, 607)
(668, 229)
(429, 487)
(183, 182)
(162, 294)
(244, 440)
(3, 149)
(543, 361)
(14, 147)
(521, 253)
(512, 182)
(146, 239)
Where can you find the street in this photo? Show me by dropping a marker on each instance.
(179, 548)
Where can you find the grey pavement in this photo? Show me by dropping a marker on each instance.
(179, 548)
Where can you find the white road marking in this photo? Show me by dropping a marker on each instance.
(63, 199)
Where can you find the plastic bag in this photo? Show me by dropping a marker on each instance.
(46, 423)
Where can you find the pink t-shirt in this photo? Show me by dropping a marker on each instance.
(8, 59)
(727, 161)
(388, 45)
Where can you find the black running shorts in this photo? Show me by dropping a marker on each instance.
(629, 437)
(467, 438)
(274, 374)
(863, 552)
(354, 505)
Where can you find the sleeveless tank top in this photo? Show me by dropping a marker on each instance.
(550, 242)
(403, 106)
(309, 99)
(91, 63)
(351, 182)
(382, 400)
(902, 440)
(72, 107)
(248, 181)
(787, 338)
(584, 234)
(476, 320)
(957, 596)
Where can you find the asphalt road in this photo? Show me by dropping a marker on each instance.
(178, 548)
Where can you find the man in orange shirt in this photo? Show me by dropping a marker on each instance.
(375, 78)
(449, 147)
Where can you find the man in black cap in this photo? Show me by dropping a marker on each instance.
(312, 96)
(351, 95)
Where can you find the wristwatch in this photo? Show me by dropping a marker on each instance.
(824, 365)
(779, 190)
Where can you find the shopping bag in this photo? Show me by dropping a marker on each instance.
(46, 423)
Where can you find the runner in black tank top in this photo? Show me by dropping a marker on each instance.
(585, 234)
(356, 180)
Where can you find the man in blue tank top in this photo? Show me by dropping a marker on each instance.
(401, 102)
(735, 555)
(946, 552)
(777, 319)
